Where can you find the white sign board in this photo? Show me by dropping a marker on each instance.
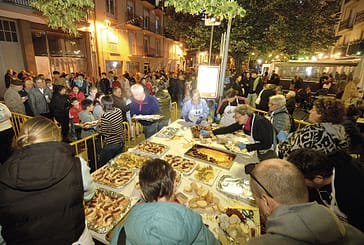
(208, 81)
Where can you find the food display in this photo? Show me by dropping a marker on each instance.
(130, 160)
(196, 131)
(167, 132)
(205, 173)
(238, 225)
(201, 198)
(150, 148)
(181, 164)
(236, 188)
(113, 176)
(105, 210)
(211, 155)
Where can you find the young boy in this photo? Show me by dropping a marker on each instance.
(160, 220)
(73, 114)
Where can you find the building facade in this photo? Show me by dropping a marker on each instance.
(350, 30)
(123, 35)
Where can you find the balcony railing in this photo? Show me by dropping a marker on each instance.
(359, 17)
(134, 20)
(346, 24)
(24, 3)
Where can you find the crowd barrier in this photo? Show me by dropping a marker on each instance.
(17, 121)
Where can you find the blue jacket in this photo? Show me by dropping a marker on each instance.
(164, 223)
(149, 106)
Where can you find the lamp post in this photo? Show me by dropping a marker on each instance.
(211, 22)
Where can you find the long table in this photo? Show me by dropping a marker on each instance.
(178, 145)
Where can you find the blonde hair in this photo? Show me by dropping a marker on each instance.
(243, 110)
(37, 130)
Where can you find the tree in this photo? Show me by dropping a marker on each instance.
(64, 14)
(272, 27)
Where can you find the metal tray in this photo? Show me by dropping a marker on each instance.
(116, 201)
(209, 157)
(238, 189)
(167, 133)
(138, 149)
(180, 162)
(129, 159)
(102, 176)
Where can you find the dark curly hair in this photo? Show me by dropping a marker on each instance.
(330, 109)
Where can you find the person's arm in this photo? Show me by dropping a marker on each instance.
(241, 98)
(89, 186)
(185, 110)
(220, 108)
(228, 129)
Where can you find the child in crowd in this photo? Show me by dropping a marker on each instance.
(73, 115)
(77, 93)
(158, 219)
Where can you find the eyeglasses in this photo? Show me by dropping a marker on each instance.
(248, 170)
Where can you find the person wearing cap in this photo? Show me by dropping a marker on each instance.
(12, 98)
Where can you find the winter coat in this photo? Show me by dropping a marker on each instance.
(164, 223)
(325, 137)
(41, 195)
(307, 223)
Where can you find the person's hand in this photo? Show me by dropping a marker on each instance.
(218, 117)
(199, 120)
(204, 132)
(241, 145)
(282, 135)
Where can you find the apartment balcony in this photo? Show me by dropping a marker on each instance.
(359, 17)
(345, 24)
(149, 26)
(133, 21)
(22, 3)
(150, 4)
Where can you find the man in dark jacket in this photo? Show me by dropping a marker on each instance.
(333, 180)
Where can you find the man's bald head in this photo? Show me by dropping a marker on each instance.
(282, 179)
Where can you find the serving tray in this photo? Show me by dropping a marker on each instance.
(211, 155)
(105, 210)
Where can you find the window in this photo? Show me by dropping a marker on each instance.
(146, 45)
(8, 31)
(157, 47)
(157, 25)
(130, 9)
(146, 19)
(132, 43)
(40, 43)
(110, 7)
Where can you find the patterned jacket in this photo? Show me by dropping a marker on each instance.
(325, 137)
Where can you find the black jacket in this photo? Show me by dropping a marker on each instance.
(349, 186)
(60, 105)
(41, 195)
(261, 130)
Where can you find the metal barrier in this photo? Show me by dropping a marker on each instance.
(300, 123)
(174, 111)
(82, 147)
(17, 121)
(127, 133)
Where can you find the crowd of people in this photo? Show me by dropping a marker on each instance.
(307, 184)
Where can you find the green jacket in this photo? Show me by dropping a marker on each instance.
(164, 223)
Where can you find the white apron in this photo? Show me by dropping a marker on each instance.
(195, 113)
(228, 117)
